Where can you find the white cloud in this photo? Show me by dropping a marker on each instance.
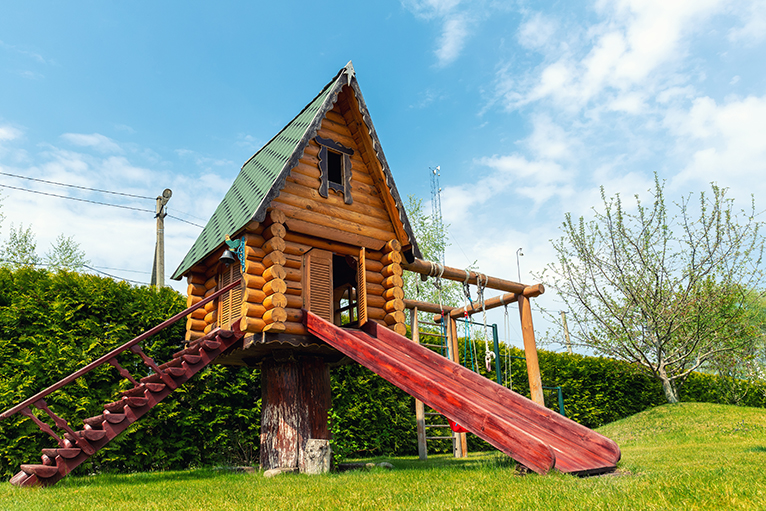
(753, 30)
(456, 20)
(548, 140)
(537, 32)
(725, 142)
(615, 61)
(30, 54)
(454, 34)
(96, 141)
(203, 161)
(8, 133)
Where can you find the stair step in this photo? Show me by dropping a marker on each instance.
(41, 471)
(19, 479)
(92, 434)
(154, 378)
(210, 345)
(175, 371)
(191, 350)
(111, 418)
(175, 362)
(192, 359)
(133, 402)
(64, 452)
(139, 391)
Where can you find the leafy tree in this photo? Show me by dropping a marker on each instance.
(432, 240)
(667, 292)
(65, 254)
(19, 251)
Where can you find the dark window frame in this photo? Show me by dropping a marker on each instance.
(344, 187)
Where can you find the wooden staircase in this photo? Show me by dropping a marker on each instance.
(75, 447)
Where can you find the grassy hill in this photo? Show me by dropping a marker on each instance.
(687, 456)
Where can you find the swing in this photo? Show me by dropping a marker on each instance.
(457, 428)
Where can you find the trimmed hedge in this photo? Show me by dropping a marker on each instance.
(53, 324)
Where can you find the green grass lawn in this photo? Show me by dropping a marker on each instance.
(687, 456)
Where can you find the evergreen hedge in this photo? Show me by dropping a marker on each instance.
(53, 324)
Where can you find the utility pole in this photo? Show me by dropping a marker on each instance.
(158, 268)
(566, 331)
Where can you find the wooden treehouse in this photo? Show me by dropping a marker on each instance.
(299, 268)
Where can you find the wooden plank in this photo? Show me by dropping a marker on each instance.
(329, 233)
(299, 244)
(340, 219)
(549, 426)
(475, 416)
(363, 140)
(374, 210)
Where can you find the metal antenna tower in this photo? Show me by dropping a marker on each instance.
(436, 209)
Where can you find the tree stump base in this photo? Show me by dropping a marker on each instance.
(296, 398)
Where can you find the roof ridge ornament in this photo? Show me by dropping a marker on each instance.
(350, 73)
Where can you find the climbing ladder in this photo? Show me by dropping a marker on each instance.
(75, 447)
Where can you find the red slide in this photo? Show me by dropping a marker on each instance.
(531, 434)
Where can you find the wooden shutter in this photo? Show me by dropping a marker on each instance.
(361, 287)
(318, 283)
(230, 303)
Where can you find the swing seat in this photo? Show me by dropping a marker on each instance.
(457, 428)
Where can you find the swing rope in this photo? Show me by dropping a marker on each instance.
(468, 340)
(507, 328)
(436, 271)
(489, 355)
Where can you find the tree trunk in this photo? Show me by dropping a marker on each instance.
(671, 394)
(296, 397)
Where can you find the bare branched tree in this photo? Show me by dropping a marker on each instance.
(670, 293)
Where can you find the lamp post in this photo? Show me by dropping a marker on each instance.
(518, 265)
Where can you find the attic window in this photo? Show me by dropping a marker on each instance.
(335, 167)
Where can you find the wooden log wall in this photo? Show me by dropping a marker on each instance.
(264, 301)
(391, 274)
(195, 292)
(365, 222)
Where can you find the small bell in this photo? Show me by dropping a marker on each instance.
(227, 257)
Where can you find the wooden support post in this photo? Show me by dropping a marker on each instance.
(420, 411)
(530, 352)
(460, 442)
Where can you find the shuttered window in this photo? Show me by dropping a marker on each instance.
(318, 289)
(230, 303)
(361, 279)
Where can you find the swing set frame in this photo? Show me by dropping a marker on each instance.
(515, 292)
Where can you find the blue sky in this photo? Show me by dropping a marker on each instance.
(527, 107)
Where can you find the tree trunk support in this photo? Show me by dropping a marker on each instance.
(296, 396)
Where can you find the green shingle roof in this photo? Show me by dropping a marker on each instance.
(263, 175)
(245, 200)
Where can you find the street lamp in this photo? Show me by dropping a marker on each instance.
(518, 265)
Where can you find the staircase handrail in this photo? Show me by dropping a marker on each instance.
(88, 368)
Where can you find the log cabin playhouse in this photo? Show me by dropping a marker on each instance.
(322, 241)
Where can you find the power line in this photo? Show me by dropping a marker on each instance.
(115, 276)
(123, 269)
(76, 198)
(187, 222)
(76, 186)
(92, 201)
